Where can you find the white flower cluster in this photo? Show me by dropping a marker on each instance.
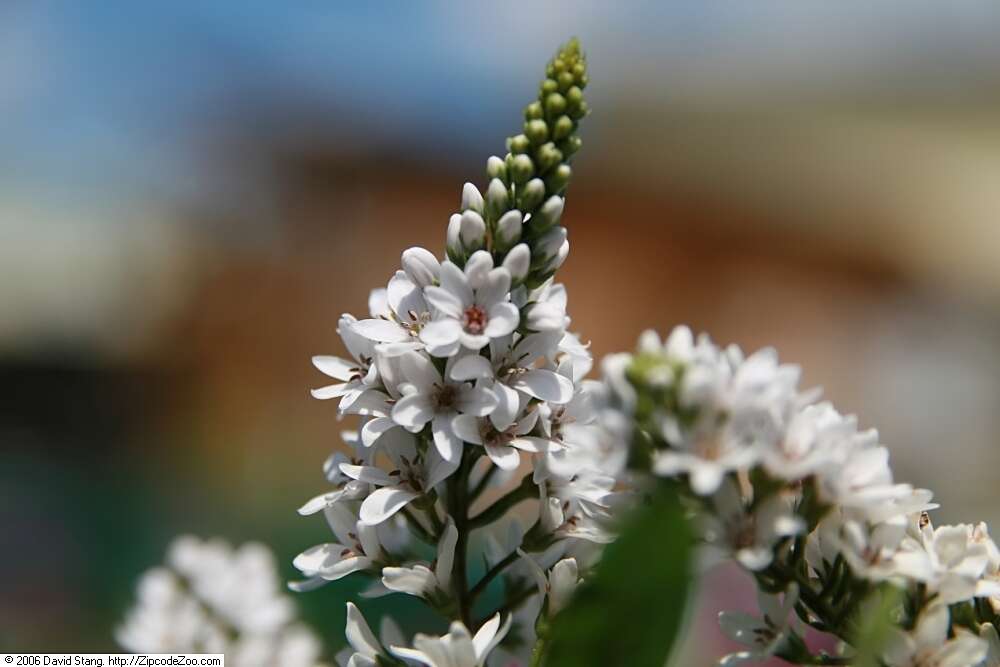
(796, 494)
(459, 375)
(212, 598)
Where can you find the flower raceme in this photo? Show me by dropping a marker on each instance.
(792, 491)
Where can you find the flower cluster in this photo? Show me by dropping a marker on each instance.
(212, 598)
(463, 376)
(805, 501)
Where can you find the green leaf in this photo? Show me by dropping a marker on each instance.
(876, 619)
(630, 610)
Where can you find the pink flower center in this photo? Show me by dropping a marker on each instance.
(474, 320)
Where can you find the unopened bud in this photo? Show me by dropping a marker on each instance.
(522, 168)
(549, 244)
(472, 231)
(421, 266)
(471, 199)
(559, 258)
(571, 145)
(557, 179)
(548, 215)
(548, 157)
(562, 128)
(495, 168)
(509, 229)
(555, 104)
(518, 261)
(533, 111)
(532, 194)
(537, 131)
(518, 144)
(496, 199)
(453, 240)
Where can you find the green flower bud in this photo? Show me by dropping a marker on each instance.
(496, 199)
(557, 179)
(571, 145)
(536, 131)
(580, 111)
(548, 157)
(471, 198)
(532, 194)
(563, 127)
(495, 168)
(565, 80)
(555, 104)
(509, 229)
(522, 168)
(549, 86)
(534, 111)
(574, 96)
(519, 144)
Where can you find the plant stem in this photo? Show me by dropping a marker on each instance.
(459, 509)
(481, 486)
(526, 489)
(492, 574)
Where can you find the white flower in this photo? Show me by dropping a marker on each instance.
(578, 507)
(345, 488)
(365, 650)
(355, 377)
(472, 306)
(764, 635)
(750, 535)
(358, 548)
(545, 307)
(950, 560)
(398, 314)
(430, 398)
(421, 580)
(869, 549)
(457, 648)
(411, 476)
(211, 598)
(928, 644)
(514, 373)
(558, 584)
(501, 446)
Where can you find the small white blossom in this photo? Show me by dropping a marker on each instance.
(928, 645)
(473, 307)
(764, 634)
(421, 580)
(457, 648)
(358, 548)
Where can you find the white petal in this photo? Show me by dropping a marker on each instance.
(448, 444)
(419, 370)
(405, 653)
(416, 580)
(473, 342)
(467, 428)
(532, 444)
(320, 502)
(383, 503)
(471, 367)
(477, 267)
(438, 469)
(489, 636)
(454, 280)
(508, 405)
(370, 474)
(441, 334)
(505, 458)
(381, 331)
(330, 391)
(545, 385)
(374, 428)
(359, 635)
(413, 411)
(335, 367)
(447, 303)
(477, 401)
(446, 555)
(494, 289)
(503, 318)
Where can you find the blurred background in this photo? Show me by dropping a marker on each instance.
(192, 193)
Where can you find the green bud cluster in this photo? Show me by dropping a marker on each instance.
(518, 218)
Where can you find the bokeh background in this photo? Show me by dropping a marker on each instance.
(191, 193)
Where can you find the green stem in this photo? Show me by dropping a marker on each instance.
(492, 574)
(526, 489)
(458, 489)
